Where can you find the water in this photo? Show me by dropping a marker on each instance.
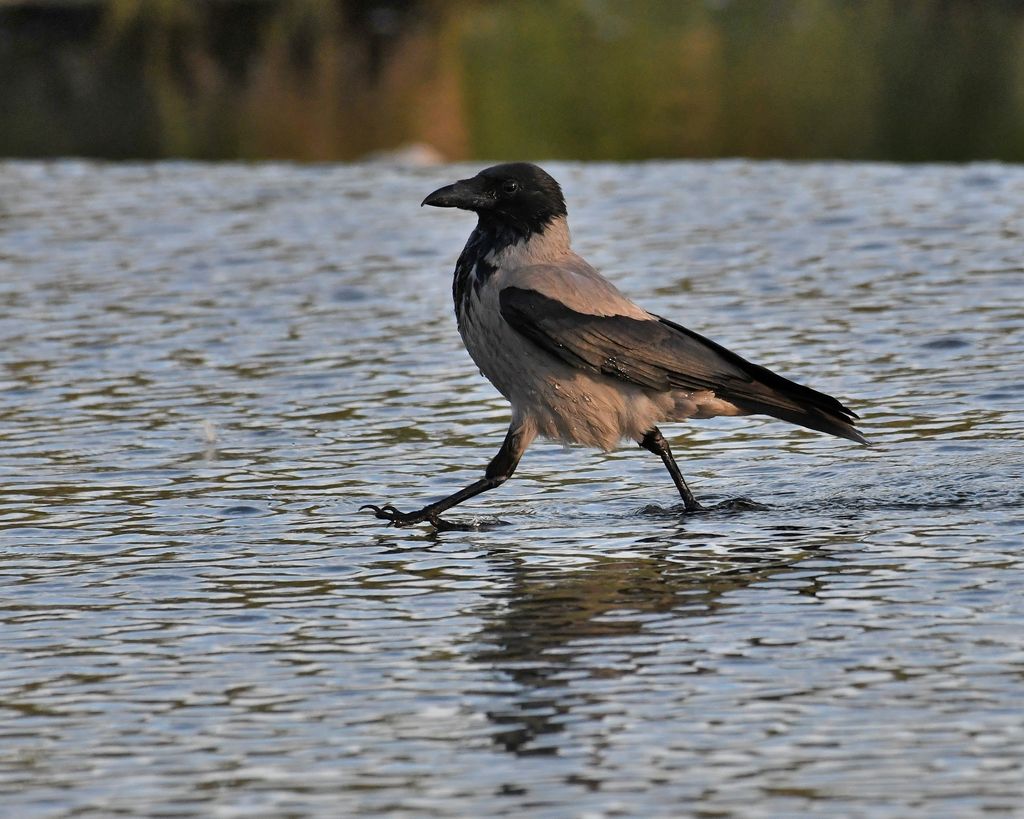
(207, 369)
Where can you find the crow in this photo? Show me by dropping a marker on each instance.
(578, 361)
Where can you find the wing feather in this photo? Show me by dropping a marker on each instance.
(660, 355)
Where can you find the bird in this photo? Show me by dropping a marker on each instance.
(578, 361)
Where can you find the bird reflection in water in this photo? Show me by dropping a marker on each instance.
(556, 625)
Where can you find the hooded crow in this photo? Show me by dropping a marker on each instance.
(578, 361)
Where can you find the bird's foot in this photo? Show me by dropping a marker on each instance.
(739, 505)
(398, 518)
(727, 506)
(731, 505)
(672, 511)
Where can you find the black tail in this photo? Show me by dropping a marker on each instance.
(772, 394)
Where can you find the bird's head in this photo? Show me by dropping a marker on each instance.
(516, 195)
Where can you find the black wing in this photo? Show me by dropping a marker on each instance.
(660, 355)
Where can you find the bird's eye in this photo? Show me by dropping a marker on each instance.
(509, 186)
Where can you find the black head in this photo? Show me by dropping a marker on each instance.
(517, 195)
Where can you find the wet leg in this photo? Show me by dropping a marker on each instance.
(498, 471)
(655, 442)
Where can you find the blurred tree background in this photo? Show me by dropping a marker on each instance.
(586, 79)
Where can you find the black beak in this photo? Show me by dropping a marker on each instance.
(466, 194)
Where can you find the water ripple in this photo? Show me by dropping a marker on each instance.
(208, 368)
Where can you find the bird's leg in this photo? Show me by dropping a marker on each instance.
(498, 471)
(655, 442)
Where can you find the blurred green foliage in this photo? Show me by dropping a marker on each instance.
(609, 79)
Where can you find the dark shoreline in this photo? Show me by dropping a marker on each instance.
(936, 80)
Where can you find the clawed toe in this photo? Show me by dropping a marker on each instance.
(387, 512)
(396, 517)
(740, 505)
(426, 515)
(733, 505)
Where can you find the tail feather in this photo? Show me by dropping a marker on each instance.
(806, 415)
(768, 393)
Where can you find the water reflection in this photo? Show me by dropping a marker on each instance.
(553, 629)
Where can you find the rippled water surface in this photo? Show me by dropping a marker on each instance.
(207, 369)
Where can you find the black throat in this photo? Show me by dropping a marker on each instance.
(472, 269)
